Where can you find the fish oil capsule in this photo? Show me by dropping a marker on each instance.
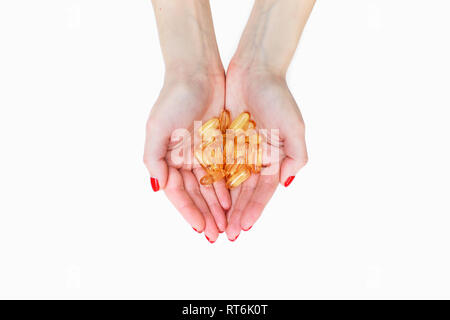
(218, 156)
(233, 168)
(253, 141)
(258, 164)
(224, 120)
(206, 142)
(251, 154)
(208, 125)
(213, 155)
(250, 125)
(238, 178)
(229, 147)
(240, 122)
(198, 153)
(240, 148)
(212, 176)
(211, 134)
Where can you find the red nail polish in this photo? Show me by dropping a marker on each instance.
(235, 238)
(289, 181)
(196, 230)
(247, 229)
(208, 239)
(155, 184)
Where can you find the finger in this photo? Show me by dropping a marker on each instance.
(193, 189)
(223, 194)
(267, 184)
(296, 155)
(156, 143)
(245, 194)
(211, 200)
(177, 194)
(234, 194)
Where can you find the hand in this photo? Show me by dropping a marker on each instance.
(256, 83)
(183, 100)
(268, 99)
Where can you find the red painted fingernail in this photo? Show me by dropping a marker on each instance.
(289, 181)
(247, 229)
(235, 238)
(208, 239)
(155, 184)
(196, 230)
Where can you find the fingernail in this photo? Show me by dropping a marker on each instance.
(235, 238)
(155, 184)
(247, 229)
(196, 230)
(208, 239)
(289, 181)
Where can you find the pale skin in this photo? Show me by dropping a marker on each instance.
(195, 88)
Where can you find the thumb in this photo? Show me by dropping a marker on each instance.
(156, 143)
(296, 155)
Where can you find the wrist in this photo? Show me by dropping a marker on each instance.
(200, 76)
(250, 70)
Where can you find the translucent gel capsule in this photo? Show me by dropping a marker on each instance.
(229, 148)
(224, 120)
(217, 156)
(211, 134)
(250, 125)
(238, 178)
(206, 142)
(235, 167)
(252, 151)
(213, 155)
(198, 153)
(212, 177)
(208, 125)
(240, 122)
(258, 164)
(241, 146)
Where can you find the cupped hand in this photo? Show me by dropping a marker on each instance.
(183, 100)
(268, 99)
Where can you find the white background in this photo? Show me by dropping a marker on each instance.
(367, 218)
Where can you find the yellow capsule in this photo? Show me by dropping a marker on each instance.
(198, 153)
(240, 149)
(251, 154)
(253, 141)
(224, 120)
(215, 158)
(208, 125)
(229, 148)
(211, 134)
(206, 179)
(233, 168)
(257, 166)
(213, 154)
(240, 122)
(238, 178)
(250, 125)
(206, 142)
(212, 176)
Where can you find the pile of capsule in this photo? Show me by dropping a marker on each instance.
(229, 150)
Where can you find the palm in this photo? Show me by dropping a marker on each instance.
(177, 107)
